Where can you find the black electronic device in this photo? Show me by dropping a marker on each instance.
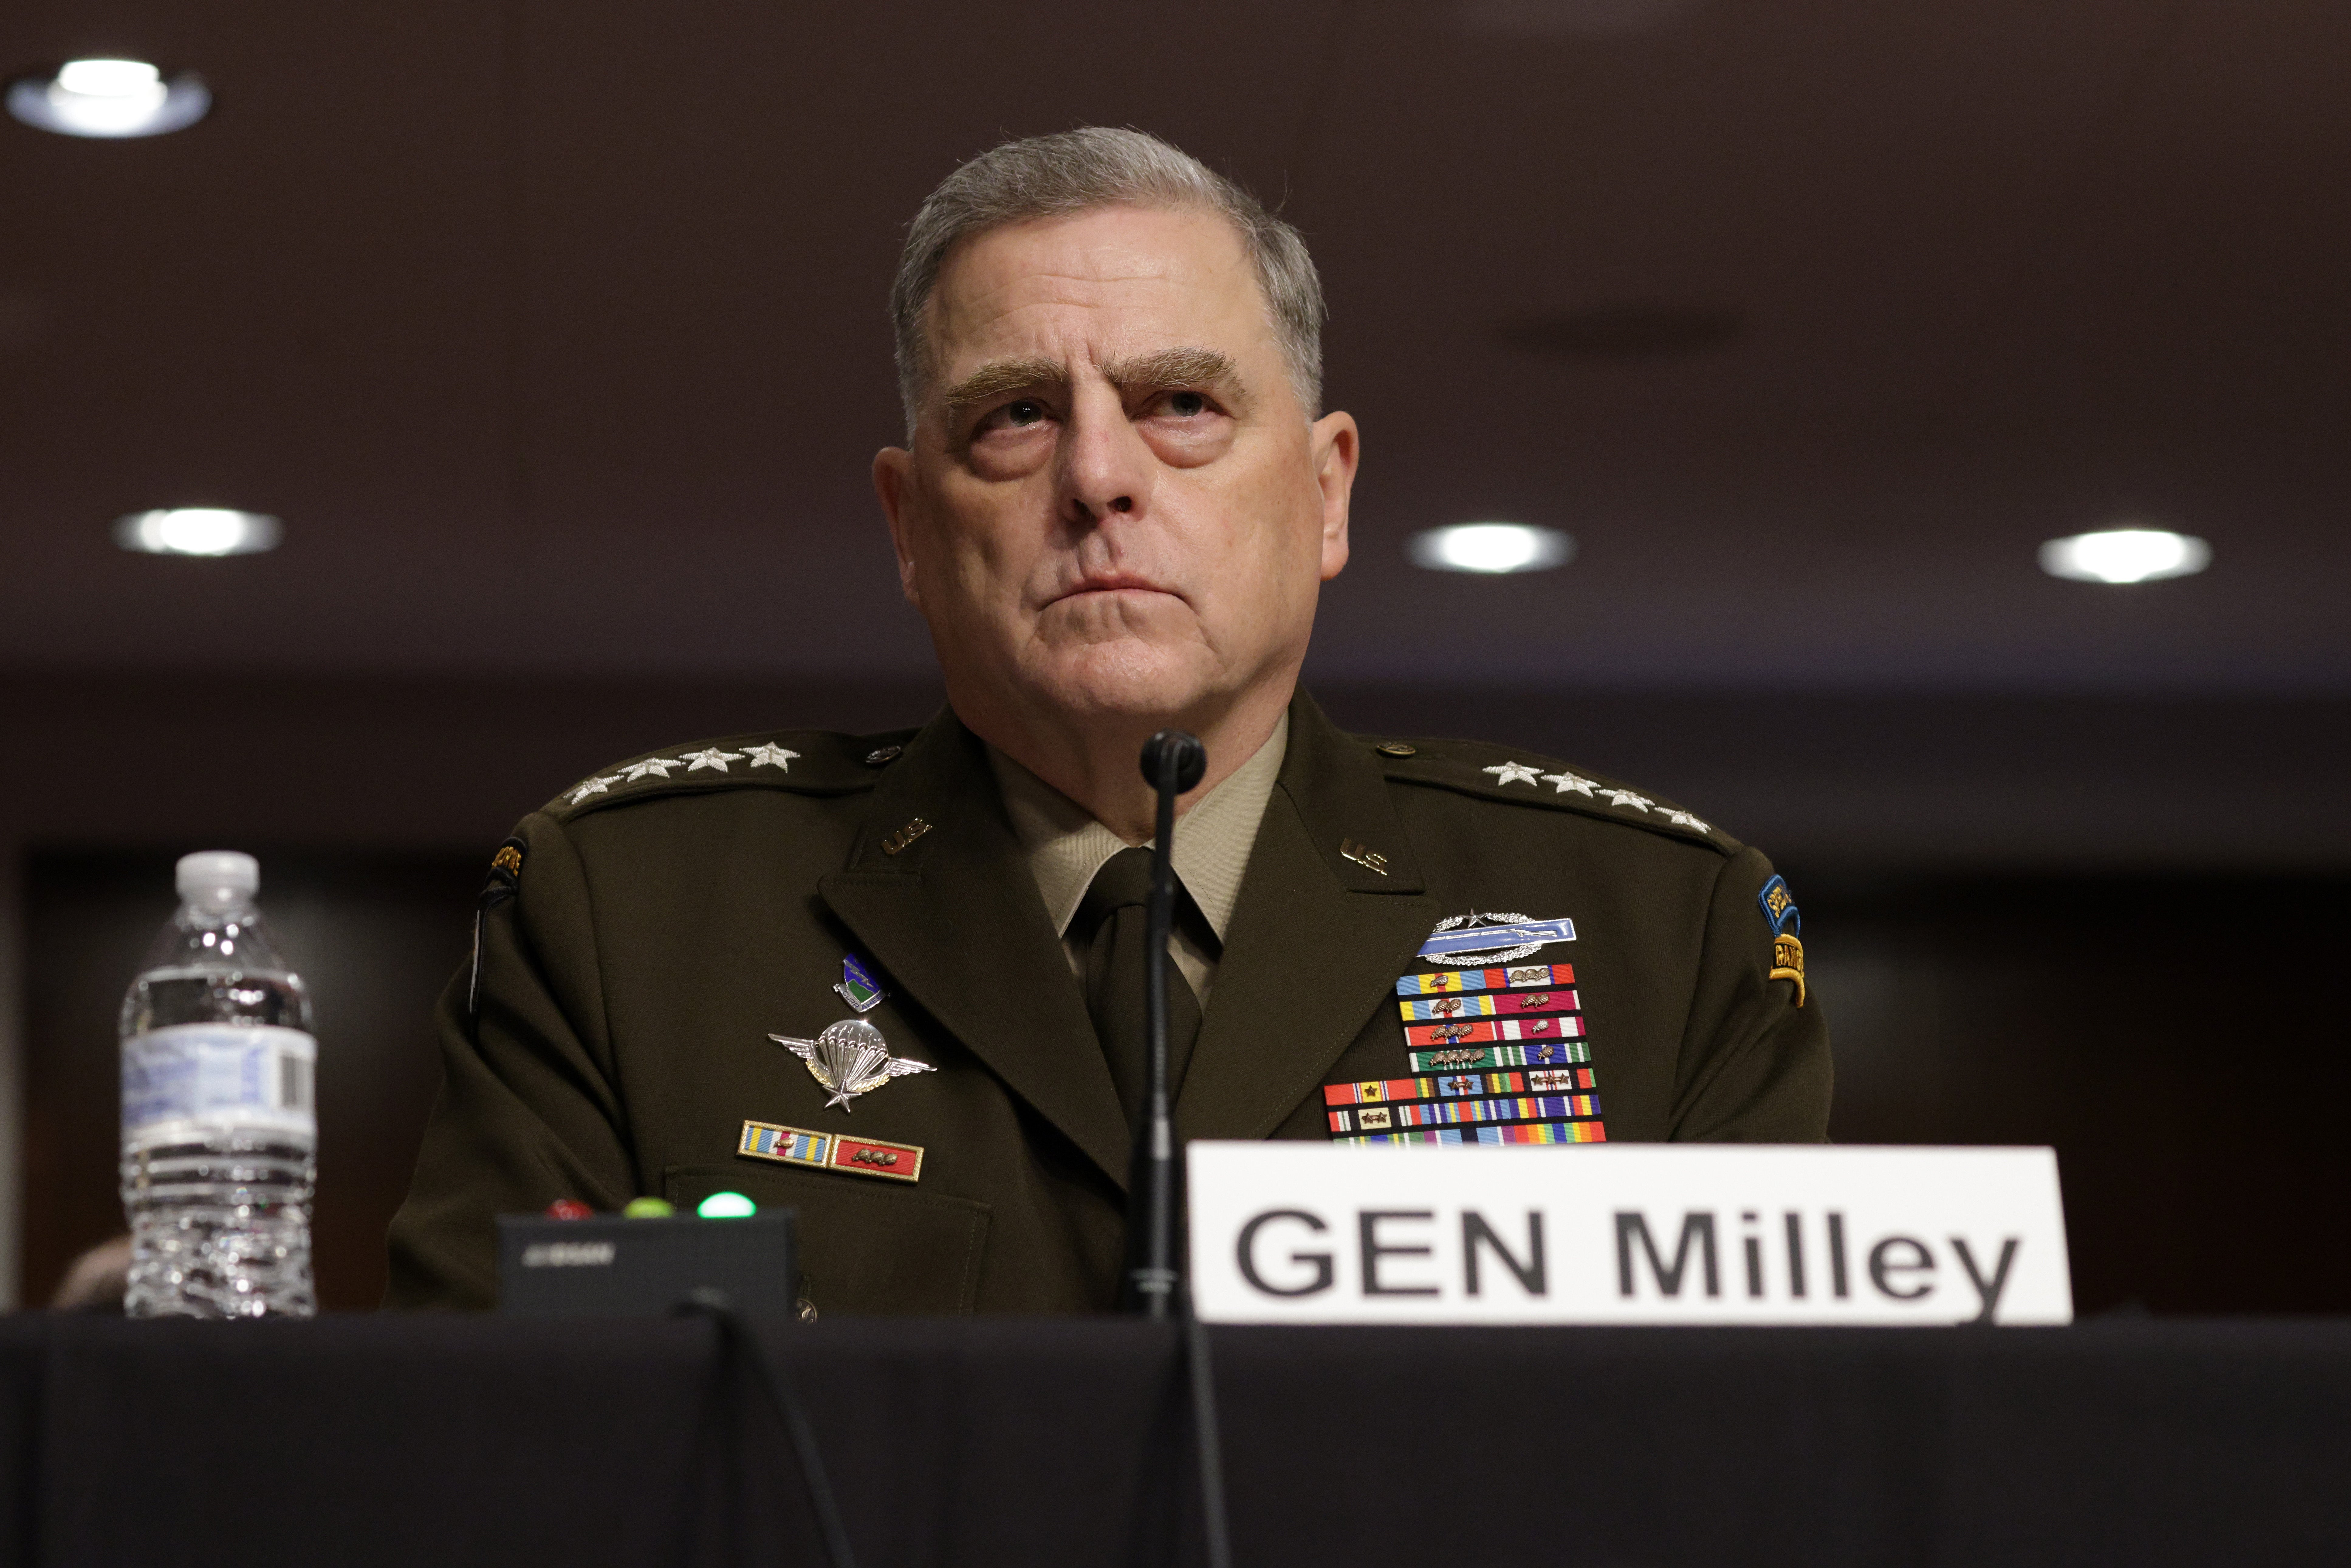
(612, 1266)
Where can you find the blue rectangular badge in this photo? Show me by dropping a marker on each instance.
(1494, 938)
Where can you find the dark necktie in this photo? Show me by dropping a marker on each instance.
(1111, 921)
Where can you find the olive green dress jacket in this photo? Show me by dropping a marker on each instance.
(645, 934)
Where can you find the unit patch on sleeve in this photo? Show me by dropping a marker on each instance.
(1495, 1047)
(1779, 907)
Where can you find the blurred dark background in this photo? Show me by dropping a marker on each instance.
(554, 332)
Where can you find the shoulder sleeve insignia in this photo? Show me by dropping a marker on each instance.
(503, 883)
(1779, 907)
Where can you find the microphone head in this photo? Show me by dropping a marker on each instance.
(1183, 750)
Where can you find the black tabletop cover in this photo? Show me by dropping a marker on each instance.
(454, 1440)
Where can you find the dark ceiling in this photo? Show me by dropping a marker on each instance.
(555, 331)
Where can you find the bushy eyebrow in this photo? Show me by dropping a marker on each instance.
(999, 376)
(1188, 366)
(1183, 367)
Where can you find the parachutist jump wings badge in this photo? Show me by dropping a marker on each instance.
(849, 1059)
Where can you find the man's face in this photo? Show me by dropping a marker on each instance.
(1115, 505)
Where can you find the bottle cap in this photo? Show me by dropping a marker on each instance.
(218, 877)
(569, 1208)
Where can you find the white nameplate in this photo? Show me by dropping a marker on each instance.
(1627, 1233)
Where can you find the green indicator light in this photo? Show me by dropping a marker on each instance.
(726, 1205)
(647, 1209)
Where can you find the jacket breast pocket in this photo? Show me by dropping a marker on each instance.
(864, 1249)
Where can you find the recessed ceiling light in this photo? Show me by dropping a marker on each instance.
(108, 99)
(2125, 555)
(198, 530)
(1491, 547)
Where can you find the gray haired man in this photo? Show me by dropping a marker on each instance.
(893, 981)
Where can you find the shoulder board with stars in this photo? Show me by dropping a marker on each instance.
(804, 761)
(1523, 777)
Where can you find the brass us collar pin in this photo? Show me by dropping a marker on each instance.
(1369, 859)
(904, 836)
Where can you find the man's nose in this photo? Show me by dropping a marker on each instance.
(1105, 467)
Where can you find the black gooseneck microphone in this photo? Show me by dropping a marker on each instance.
(1172, 762)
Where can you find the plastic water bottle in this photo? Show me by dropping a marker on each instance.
(220, 1133)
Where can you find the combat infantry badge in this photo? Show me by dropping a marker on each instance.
(849, 1059)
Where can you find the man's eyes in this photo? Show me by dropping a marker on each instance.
(1181, 404)
(1028, 413)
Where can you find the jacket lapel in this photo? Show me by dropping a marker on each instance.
(953, 915)
(1316, 941)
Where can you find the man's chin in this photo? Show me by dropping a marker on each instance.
(1127, 679)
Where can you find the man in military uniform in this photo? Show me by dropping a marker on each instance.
(893, 981)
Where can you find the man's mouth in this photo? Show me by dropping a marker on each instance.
(1111, 583)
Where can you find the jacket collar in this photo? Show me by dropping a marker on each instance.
(1333, 908)
(939, 892)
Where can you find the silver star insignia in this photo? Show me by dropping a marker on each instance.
(1566, 781)
(710, 757)
(1514, 773)
(594, 787)
(849, 1059)
(660, 765)
(771, 756)
(1626, 798)
(1685, 820)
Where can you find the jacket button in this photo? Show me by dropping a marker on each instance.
(881, 754)
(1397, 749)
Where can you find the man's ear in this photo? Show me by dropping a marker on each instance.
(893, 485)
(1334, 445)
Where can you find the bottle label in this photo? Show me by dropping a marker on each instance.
(190, 1080)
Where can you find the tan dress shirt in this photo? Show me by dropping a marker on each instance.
(1213, 837)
